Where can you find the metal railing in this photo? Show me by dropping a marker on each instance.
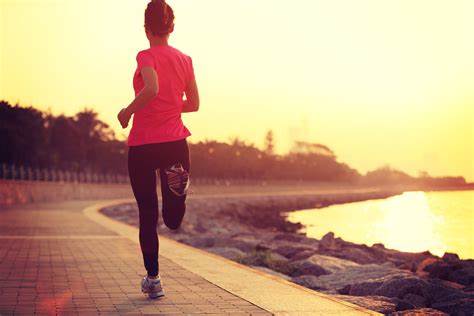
(20, 172)
(27, 173)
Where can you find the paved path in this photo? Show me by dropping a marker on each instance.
(54, 260)
(66, 258)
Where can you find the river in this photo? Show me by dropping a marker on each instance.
(413, 221)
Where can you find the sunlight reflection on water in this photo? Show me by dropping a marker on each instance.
(412, 221)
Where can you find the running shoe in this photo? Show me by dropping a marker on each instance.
(152, 287)
(178, 179)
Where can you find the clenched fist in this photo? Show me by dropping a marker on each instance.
(124, 117)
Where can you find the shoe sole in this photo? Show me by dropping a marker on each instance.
(156, 294)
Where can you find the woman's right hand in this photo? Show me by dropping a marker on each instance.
(124, 117)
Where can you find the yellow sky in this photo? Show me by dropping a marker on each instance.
(380, 82)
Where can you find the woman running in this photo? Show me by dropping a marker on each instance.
(157, 139)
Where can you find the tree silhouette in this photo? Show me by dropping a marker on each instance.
(269, 145)
(85, 143)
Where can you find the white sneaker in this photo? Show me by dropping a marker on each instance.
(152, 287)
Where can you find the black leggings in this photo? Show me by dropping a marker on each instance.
(143, 162)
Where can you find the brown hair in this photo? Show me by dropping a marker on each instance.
(159, 18)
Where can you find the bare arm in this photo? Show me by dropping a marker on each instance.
(191, 104)
(149, 91)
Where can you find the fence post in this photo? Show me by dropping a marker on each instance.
(13, 172)
(30, 173)
(21, 172)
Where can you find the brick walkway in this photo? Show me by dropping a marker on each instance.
(53, 260)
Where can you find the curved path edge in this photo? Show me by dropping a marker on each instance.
(267, 291)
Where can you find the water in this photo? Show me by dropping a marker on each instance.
(413, 222)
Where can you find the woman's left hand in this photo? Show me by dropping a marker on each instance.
(124, 117)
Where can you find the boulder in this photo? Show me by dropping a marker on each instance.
(330, 264)
(451, 269)
(358, 274)
(290, 251)
(328, 242)
(391, 286)
(419, 312)
(361, 255)
(304, 254)
(444, 295)
(415, 300)
(199, 241)
(305, 266)
(420, 269)
(464, 306)
(380, 304)
(272, 272)
(413, 292)
(450, 257)
(399, 286)
(267, 259)
(244, 245)
(227, 252)
(310, 281)
(201, 226)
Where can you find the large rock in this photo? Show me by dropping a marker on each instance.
(390, 286)
(399, 286)
(362, 255)
(309, 281)
(291, 251)
(304, 254)
(198, 241)
(420, 312)
(452, 269)
(330, 264)
(272, 272)
(380, 304)
(245, 245)
(415, 300)
(328, 242)
(420, 269)
(301, 267)
(464, 306)
(267, 259)
(357, 274)
(359, 253)
(227, 252)
(414, 292)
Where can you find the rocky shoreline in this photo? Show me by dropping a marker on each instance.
(253, 230)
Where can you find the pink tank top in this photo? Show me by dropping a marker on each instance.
(160, 120)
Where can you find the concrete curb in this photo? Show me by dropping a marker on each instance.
(267, 291)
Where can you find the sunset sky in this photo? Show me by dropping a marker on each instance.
(379, 82)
